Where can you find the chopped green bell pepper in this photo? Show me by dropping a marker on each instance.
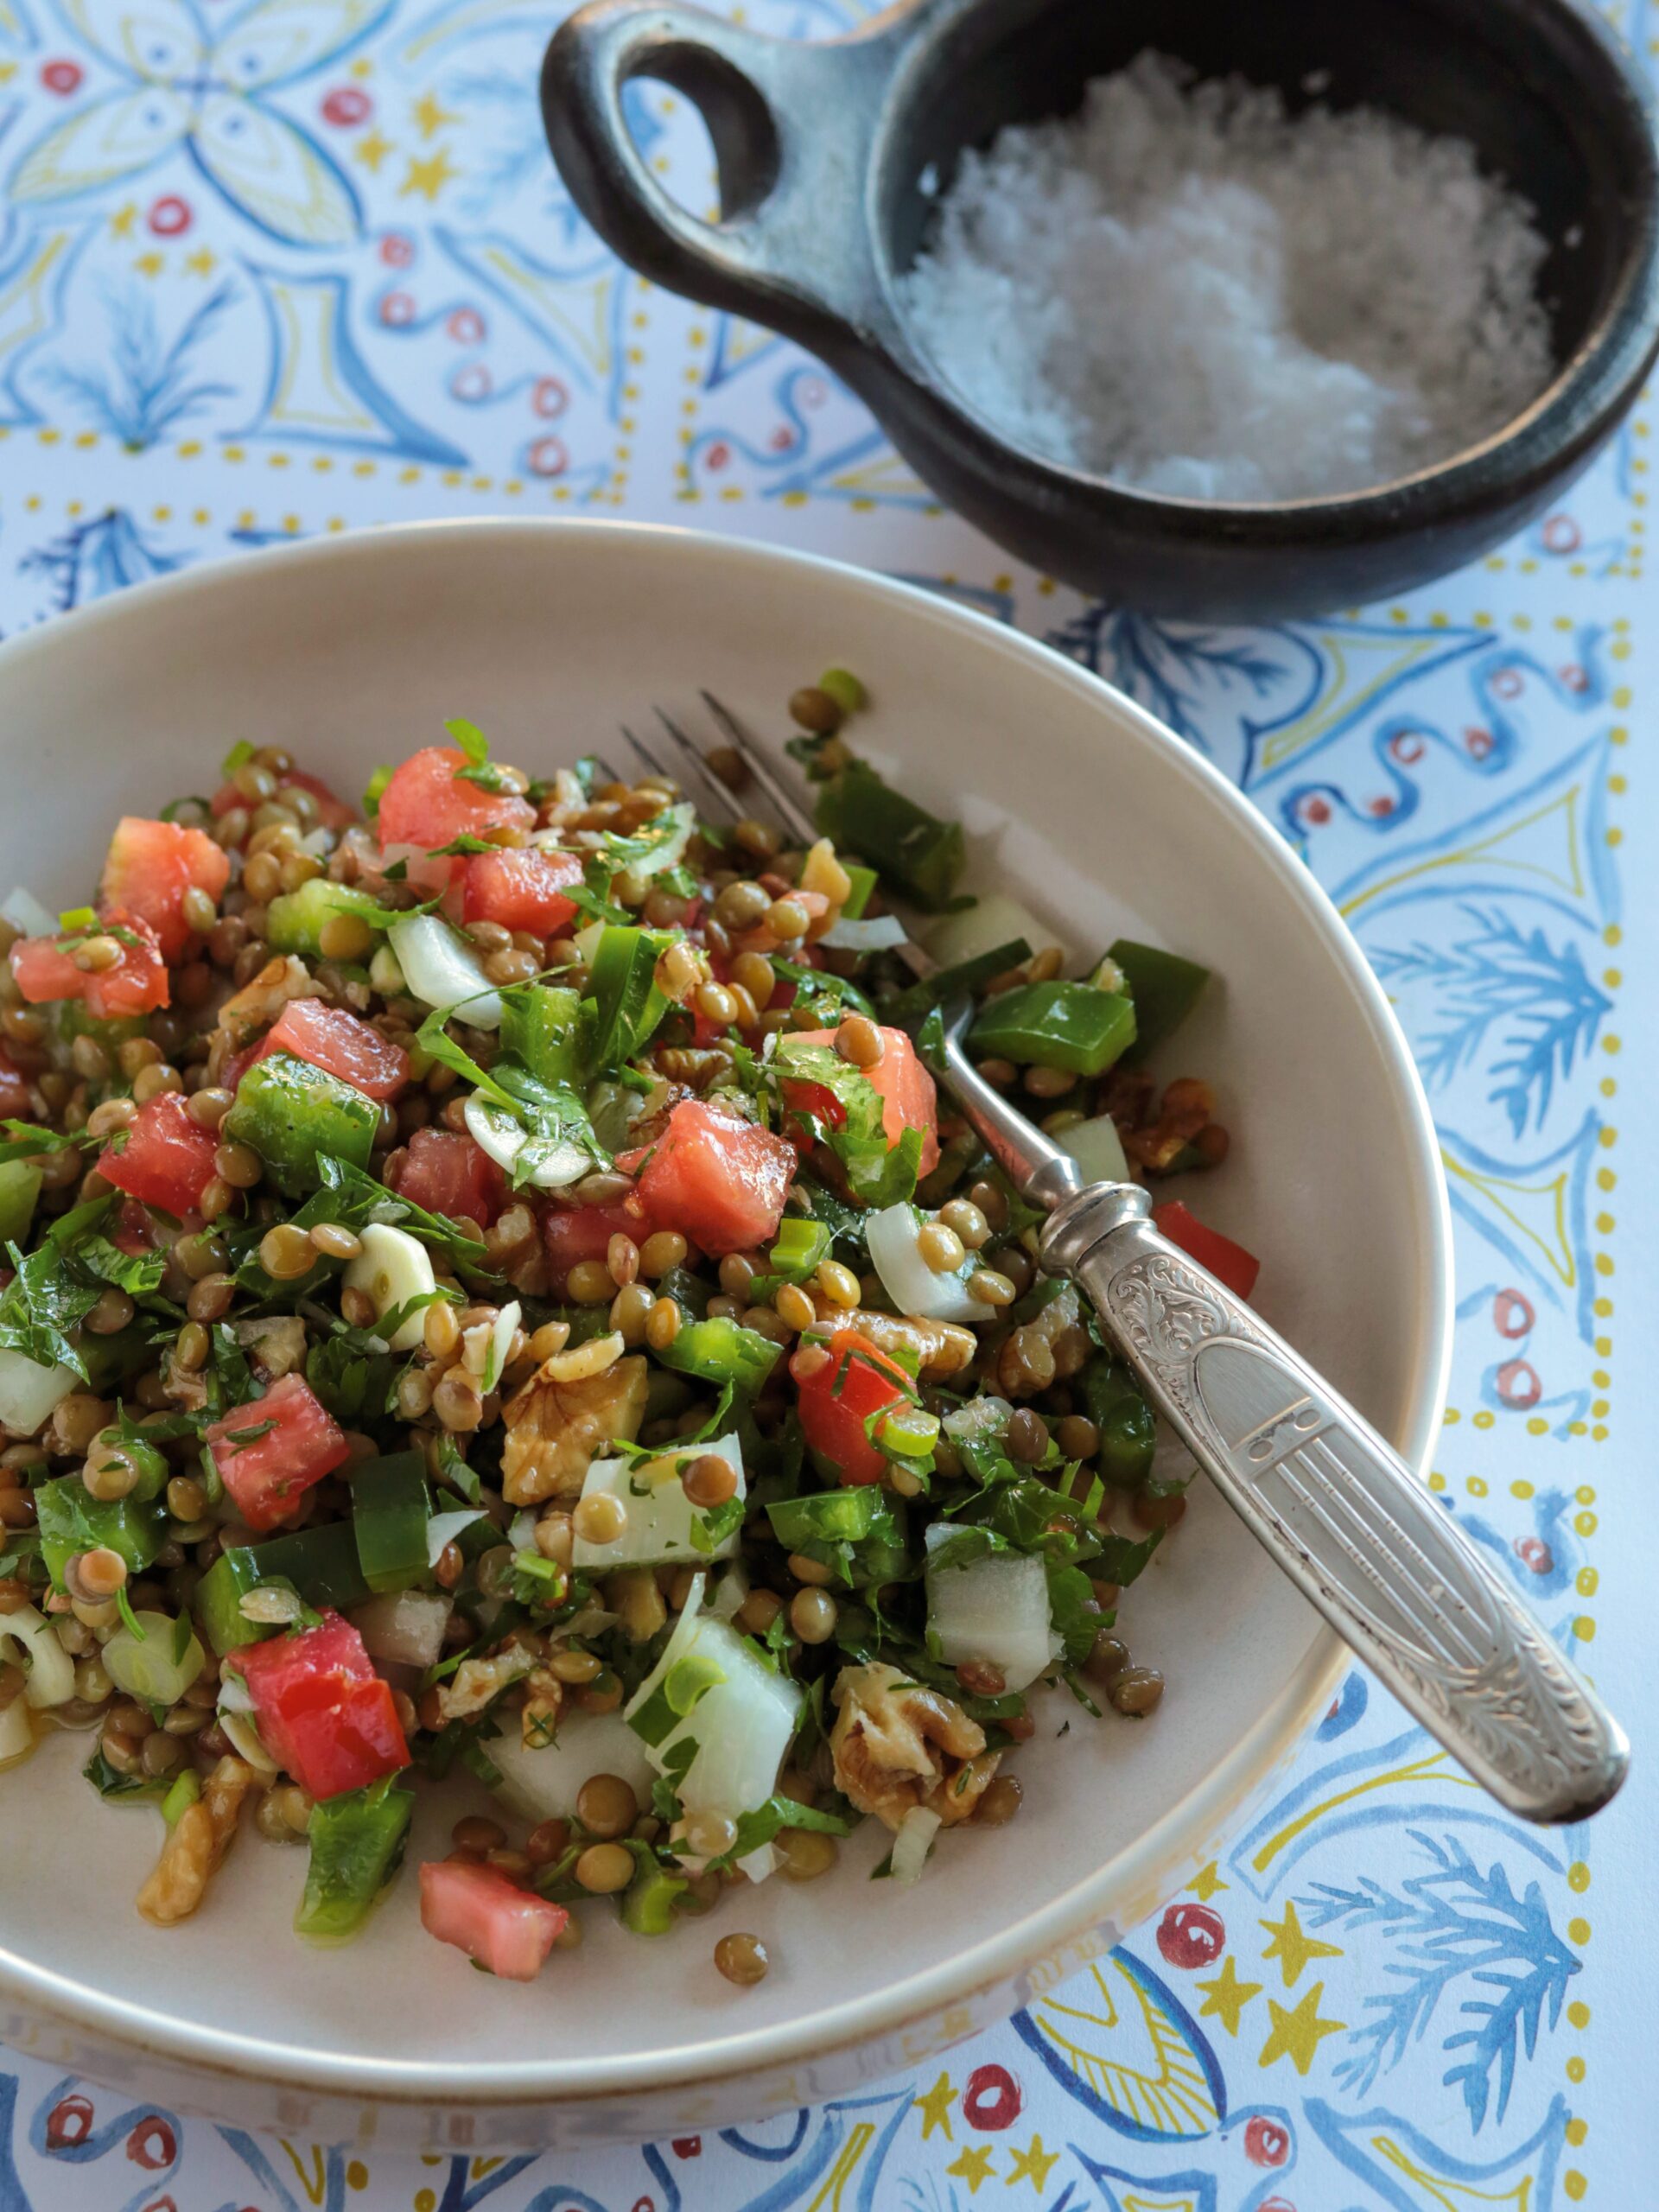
(20, 1185)
(721, 1350)
(1164, 987)
(863, 881)
(541, 1027)
(648, 1901)
(356, 1846)
(625, 1003)
(292, 1114)
(800, 1245)
(321, 1564)
(295, 919)
(1068, 1025)
(907, 1009)
(389, 1510)
(909, 846)
(825, 1516)
(185, 1792)
(71, 1520)
(1128, 1432)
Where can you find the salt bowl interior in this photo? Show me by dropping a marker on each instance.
(1448, 68)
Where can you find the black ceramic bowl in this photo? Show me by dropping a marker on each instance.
(822, 148)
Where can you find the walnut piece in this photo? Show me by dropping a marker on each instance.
(276, 1344)
(477, 1683)
(259, 1003)
(897, 1744)
(196, 1843)
(554, 1428)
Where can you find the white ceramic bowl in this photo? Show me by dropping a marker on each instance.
(355, 650)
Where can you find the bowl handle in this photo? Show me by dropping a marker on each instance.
(792, 123)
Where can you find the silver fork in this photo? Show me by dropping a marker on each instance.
(791, 813)
(1330, 1501)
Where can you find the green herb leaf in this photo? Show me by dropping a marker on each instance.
(40, 1307)
(139, 1274)
(25, 1140)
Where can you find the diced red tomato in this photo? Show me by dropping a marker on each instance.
(522, 890)
(13, 1092)
(836, 1398)
(151, 867)
(445, 1171)
(270, 1452)
(1229, 1262)
(322, 1710)
(331, 1038)
(909, 1100)
(508, 1930)
(717, 1179)
(137, 984)
(575, 1233)
(427, 803)
(167, 1159)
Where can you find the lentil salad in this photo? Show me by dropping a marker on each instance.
(493, 1286)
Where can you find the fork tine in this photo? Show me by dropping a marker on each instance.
(720, 799)
(643, 753)
(796, 820)
(601, 762)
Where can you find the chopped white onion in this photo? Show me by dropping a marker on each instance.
(50, 1669)
(442, 972)
(657, 1531)
(29, 1391)
(730, 1592)
(17, 1733)
(992, 920)
(741, 1723)
(393, 1268)
(912, 1843)
(405, 1627)
(25, 912)
(521, 1529)
(878, 934)
(443, 1528)
(540, 1782)
(504, 1137)
(994, 1610)
(506, 1328)
(894, 1235)
(146, 1666)
(245, 1737)
(1097, 1148)
(673, 827)
(757, 1865)
(979, 1417)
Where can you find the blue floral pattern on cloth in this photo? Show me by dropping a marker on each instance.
(275, 270)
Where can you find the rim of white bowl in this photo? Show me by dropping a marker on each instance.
(1170, 1841)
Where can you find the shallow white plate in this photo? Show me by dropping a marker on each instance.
(354, 651)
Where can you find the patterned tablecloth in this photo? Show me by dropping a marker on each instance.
(275, 270)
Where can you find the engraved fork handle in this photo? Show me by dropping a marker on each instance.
(1344, 1516)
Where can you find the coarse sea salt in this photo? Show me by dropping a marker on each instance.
(1190, 290)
